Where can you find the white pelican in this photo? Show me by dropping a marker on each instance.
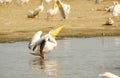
(22, 1)
(108, 75)
(41, 45)
(33, 14)
(109, 21)
(65, 9)
(53, 11)
(48, 1)
(5, 1)
(115, 9)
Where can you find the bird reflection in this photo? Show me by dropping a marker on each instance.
(50, 68)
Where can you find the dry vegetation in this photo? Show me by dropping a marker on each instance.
(84, 21)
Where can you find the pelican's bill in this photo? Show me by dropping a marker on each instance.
(56, 31)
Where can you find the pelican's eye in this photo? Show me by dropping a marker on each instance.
(48, 39)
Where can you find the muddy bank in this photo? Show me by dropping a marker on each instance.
(23, 36)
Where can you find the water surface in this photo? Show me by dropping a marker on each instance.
(73, 58)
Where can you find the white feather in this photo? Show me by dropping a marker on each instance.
(66, 9)
(48, 1)
(35, 39)
(50, 44)
(108, 75)
(5, 1)
(116, 10)
(53, 11)
(22, 1)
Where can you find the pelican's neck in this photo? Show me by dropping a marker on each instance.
(55, 5)
(115, 3)
(42, 2)
(59, 3)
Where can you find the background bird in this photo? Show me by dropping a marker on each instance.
(53, 11)
(5, 1)
(108, 75)
(33, 14)
(22, 1)
(109, 21)
(64, 9)
(116, 9)
(48, 1)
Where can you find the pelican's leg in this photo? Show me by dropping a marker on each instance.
(38, 15)
(42, 55)
(48, 16)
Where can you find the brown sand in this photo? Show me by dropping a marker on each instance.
(84, 20)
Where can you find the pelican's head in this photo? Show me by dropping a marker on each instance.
(115, 2)
(58, 3)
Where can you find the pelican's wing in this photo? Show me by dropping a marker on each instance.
(55, 32)
(35, 39)
(41, 41)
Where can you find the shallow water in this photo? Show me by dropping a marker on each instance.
(73, 58)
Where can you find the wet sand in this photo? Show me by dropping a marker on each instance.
(84, 20)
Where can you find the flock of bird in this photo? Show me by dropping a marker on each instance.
(58, 6)
(9, 1)
(115, 10)
(41, 45)
(65, 10)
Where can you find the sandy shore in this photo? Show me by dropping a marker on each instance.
(84, 21)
